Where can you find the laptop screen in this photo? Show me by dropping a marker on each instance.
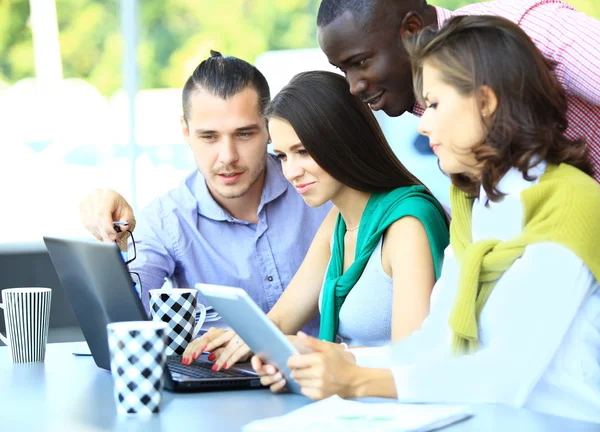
(98, 286)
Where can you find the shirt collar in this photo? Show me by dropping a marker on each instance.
(275, 185)
(275, 182)
(442, 15)
(513, 183)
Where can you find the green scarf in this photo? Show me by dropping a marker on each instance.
(563, 208)
(381, 211)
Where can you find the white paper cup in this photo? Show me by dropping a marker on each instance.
(137, 363)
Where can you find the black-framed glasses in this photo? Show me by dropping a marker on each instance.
(135, 276)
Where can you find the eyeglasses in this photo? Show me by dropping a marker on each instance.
(135, 277)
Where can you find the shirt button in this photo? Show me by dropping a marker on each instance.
(270, 278)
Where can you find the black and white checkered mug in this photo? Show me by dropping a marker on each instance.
(177, 307)
(137, 363)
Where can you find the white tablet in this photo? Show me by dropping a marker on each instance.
(252, 325)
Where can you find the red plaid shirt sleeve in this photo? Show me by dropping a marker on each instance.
(572, 40)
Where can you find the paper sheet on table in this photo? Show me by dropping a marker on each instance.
(336, 414)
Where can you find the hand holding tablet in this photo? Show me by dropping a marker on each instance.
(262, 336)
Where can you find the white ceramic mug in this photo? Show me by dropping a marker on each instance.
(27, 315)
(177, 307)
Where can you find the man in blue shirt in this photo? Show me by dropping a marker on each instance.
(236, 221)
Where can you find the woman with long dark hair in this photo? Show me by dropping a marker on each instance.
(373, 263)
(516, 318)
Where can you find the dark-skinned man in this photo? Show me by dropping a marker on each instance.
(363, 38)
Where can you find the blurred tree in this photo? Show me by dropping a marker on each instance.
(16, 44)
(90, 41)
(451, 4)
(179, 35)
(174, 35)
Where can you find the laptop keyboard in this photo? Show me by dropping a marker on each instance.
(201, 369)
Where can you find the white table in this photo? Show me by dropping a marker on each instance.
(69, 393)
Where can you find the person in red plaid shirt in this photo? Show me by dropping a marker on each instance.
(363, 38)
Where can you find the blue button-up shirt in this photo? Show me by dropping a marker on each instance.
(187, 237)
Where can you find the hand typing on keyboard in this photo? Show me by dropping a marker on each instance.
(225, 346)
(200, 369)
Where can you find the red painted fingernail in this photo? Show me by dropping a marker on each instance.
(204, 349)
(212, 357)
(195, 356)
(225, 366)
(215, 367)
(184, 361)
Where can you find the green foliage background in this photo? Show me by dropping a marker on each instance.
(175, 35)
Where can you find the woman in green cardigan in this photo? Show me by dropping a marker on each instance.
(373, 263)
(515, 315)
